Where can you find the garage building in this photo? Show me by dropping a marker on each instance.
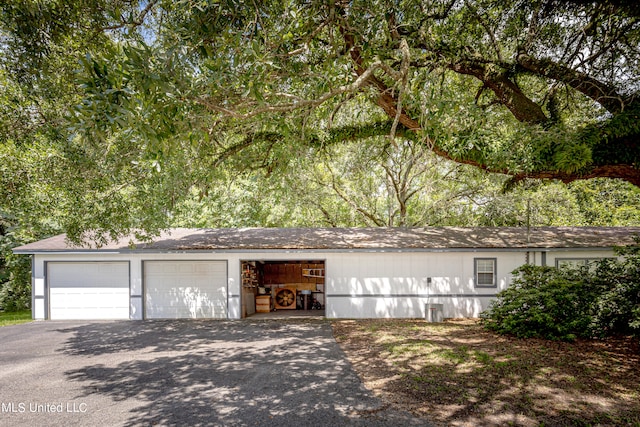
(336, 272)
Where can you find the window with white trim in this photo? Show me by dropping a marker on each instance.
(485, 272)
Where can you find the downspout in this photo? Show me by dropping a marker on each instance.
(427, 312)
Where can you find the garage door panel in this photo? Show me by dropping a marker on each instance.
(88, 290)
(186, 310)
(89, 274)
(99, 313)
(101, 297)
(184, 302)
(185, 289)
(77, 307)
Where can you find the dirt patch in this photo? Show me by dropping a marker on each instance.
(457, 373)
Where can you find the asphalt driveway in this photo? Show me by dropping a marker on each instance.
(227, 373)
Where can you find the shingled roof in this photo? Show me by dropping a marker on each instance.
(429, 238)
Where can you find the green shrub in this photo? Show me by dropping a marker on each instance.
(563, 304)
(616, 309)
(15, 290)
(542, 302)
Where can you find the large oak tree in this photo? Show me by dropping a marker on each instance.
(146, 97)
(555, 82)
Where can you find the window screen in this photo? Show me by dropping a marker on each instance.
(485, 269)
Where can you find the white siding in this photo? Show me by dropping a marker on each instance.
(399, 284)
(357, 284)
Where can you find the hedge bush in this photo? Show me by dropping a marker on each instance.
(600, 300)
(15, 289)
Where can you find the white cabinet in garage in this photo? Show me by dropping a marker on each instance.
(185, 289)
(88, 290)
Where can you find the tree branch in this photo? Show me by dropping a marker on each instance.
(245, 143)
(389, 104)
(404, 74)
(494, 42)
(507, 92)
(603, 94)
(353, 204)
(625, 172)
(299, 103)
(521, 106)
(135, 23)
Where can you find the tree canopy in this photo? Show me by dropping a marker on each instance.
(118, 112)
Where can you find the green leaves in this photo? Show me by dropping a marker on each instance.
(571, 157)
(594, 301)
(542, 302)
(120, 113)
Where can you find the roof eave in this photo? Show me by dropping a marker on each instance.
(307, 250)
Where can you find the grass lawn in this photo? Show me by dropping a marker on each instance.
(456, 373)
(15, 317)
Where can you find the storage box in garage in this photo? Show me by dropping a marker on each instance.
(263, 303)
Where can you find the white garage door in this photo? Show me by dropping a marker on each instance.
(88, 290)
(185, 289)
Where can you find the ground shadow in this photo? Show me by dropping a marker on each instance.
(469, 376)
(226, 373)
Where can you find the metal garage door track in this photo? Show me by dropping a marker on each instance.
(226, 373)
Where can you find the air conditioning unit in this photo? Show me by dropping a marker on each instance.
(434, 312)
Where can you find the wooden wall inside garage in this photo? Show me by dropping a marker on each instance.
(290, 272)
